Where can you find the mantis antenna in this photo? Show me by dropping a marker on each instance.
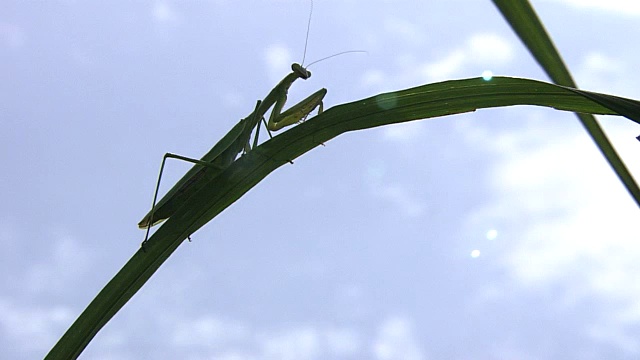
(306, 39)
(306, 42)
(334, 55)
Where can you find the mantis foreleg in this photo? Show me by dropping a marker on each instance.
(297, 112)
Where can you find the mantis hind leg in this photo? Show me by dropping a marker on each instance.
(221, 160)
(151, 219)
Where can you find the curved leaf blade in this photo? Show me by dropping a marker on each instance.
(427, 101)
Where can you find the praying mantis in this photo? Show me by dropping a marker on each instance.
(225, 151)
(235, 141)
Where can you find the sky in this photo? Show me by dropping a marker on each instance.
(498, 234)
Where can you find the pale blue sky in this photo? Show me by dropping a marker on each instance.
(360, 250)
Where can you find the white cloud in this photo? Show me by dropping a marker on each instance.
(395, 340)
(398, 195)
(278, 57)
(61, 264)
(402, 198)
(480, 50)
(207, 331)
(229, 339)
(233, 99)
(596, 61)
(623, 7)
(400, 29)
(11, 35)
(489, 49)
(69, 260)
(445, 67)
(602, 72)
(32, 328)
(610, 333)
(164, 13)
(373, 78)
(563, 188)
(302, 343)
(568, 222)
(404, 132)
(309, 343)
(343, 342)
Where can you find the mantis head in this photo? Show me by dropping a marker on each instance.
(300, 71)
